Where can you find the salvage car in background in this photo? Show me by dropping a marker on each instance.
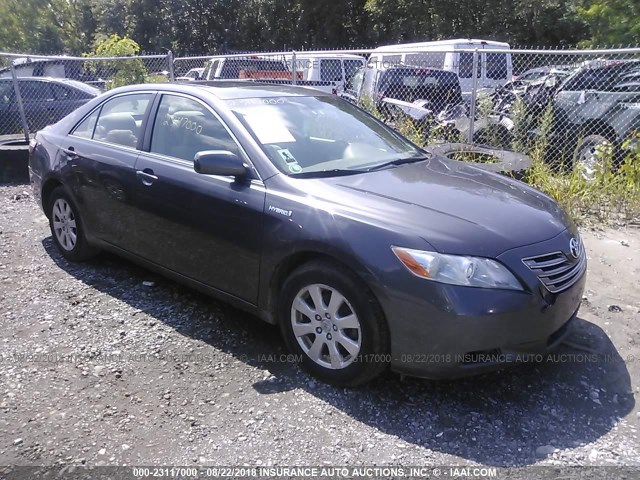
(598, 104)
(53, 68)
(301, 208)
(192, 75)
(45, 101)
(433, 89)
(252, 67)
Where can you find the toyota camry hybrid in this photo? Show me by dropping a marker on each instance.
(368, 251)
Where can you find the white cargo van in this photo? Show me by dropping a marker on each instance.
(255, 67)
(494, 69)
(328, 70)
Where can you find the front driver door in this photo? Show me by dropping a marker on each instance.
(207, 228)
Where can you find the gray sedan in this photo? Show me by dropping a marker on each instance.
(368, 251)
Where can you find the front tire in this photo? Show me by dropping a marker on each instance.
(67, 228)
(332, 320)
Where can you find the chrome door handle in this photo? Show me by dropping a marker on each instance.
(71, 152)
(146, 176)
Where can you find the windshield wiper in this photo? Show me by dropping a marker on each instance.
(336, 172)
(399, 161)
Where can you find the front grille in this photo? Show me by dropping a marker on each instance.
(557, 271)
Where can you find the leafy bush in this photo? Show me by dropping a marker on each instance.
(122, 72)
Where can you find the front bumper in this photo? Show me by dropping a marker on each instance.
(444, 331)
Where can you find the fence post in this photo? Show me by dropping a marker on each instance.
(294, 72)
(23, 117)
(474, 97)
(172, 75)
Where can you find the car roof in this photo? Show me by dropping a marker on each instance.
(456, 42)
(42, 79)
(231, 89)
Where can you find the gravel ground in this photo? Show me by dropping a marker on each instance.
(106, 363)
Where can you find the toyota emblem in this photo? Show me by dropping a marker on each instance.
(574, 247)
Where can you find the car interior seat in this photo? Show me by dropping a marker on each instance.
(119, 128)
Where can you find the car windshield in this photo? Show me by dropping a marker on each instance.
(324, 135)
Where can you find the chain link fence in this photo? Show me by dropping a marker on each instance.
(569, 104)
(36, 91)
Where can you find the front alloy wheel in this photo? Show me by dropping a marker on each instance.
(333, 321)
(326, 326)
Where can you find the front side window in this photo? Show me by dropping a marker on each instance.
(184, 127)
(325, 134)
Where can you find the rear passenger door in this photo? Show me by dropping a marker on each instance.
(100, 155)
(207, 228)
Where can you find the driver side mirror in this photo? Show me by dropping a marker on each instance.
(219, 162)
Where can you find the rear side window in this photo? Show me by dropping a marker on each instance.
(184, 127)
(330, 70)
(35, 91)
(118, 121)
(497, 66)
(63, 93)
(425, 59)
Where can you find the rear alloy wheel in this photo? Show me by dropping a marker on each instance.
(588, 158)
(330, 317)
(66, 227)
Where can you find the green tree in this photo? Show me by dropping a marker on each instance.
(612, 22)
(124, 72)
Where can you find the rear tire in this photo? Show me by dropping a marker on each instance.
(331, 319)
(67, 228)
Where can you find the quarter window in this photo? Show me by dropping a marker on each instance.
(87, 126)
(184, 127)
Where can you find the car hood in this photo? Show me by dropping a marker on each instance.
(455, 207)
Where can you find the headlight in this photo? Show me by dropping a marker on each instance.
(457, 270)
